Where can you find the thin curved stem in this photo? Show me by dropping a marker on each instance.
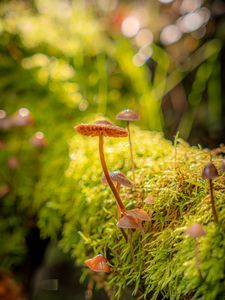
(131, 150)
(213, 202)
(107, 176)
(118, 208)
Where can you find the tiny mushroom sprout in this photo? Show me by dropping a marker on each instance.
(129, 115)
(210, 172)
(39, 140)
(98, 264)
(22, 117)
(195, 231)
(118, 179)
(104, 128)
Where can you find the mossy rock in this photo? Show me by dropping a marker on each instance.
(163, 266)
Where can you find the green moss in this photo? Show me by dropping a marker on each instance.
(164, 263)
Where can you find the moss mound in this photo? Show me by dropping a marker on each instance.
(164, 265)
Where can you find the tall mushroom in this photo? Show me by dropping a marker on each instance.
(129, 115)
(210, 172)
(118, 179)
(195, 231)
(103, 128)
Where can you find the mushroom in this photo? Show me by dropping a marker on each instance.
(39, 140)
(103, 128)
(130, 223)
(210, 172)
(129, 115)
(22, 117)
(118, 179)
(4, 121)
(13, 162)
(140, 215)
(195, 231)
(98, 264)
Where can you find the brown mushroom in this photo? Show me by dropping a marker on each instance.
(118, 179)
(129, 115)
(98, 264)
(195, 231)
(210, 172)
(104, 128)
(39, 140)
(223, 165)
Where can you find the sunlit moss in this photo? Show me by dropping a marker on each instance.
(165, 263)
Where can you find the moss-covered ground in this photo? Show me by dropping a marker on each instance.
(82, 216)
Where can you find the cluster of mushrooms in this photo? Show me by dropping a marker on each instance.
(19, 119)
(132, 219)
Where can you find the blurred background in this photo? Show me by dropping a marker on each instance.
(62, 62)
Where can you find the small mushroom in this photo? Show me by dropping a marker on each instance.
(4, 121)
(129, 115)
(98, 264)
(195, 231)
(13, 162)
(103, 128)
(118, 179)
(140, 215)
(129, 222)
(22, 118)
(210, 172)
(39, 140)
(223, 165)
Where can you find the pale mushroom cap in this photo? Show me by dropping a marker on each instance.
(119, 177)
(139, 214)
(209, 171)
(98, 264)
(39, 140)
(127, 115)
(101, 127)
(195, 230)
(128, 222)
(22, 117)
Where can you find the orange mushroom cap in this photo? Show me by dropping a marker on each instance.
(127, 115)
(98, 264)
(195, 230)
(117, 176)
(128, 222)
(139, 214)
(101, 127)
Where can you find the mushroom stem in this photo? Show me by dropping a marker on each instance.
(107, 176)
(118, 208)
(131, 248)
(131, 150)
(141, 230)
(197, 258)
(213, 202)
